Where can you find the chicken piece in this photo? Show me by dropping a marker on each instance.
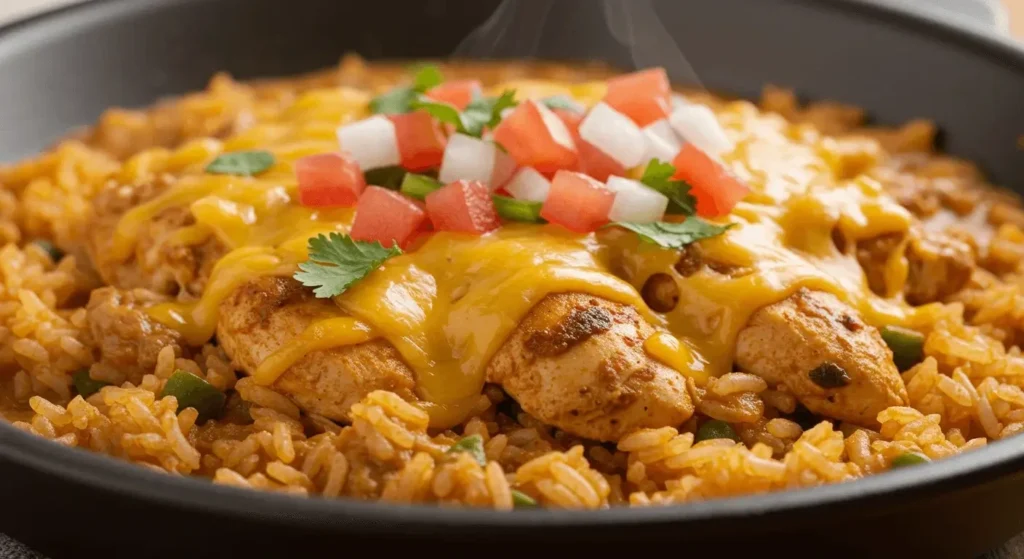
(128, 339)
(819, 349)
(577, 362)
(158, 263)
(264, 314)
(939, 264)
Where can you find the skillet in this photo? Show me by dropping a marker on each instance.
(62, 69)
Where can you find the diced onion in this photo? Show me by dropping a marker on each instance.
(473, 159)
(371, 142)
(614, 134)
(662, 142)
(634, 202)
(678, 100)
(528, 184)
(699, 126)
(559, 133)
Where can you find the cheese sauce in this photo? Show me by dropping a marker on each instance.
(449, 304)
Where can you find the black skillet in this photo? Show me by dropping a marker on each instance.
(63, 69)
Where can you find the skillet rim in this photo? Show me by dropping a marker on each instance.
(106, 474)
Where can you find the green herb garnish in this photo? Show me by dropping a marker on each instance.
(563, 102)
(658, 175)
(474, 445)
(674, 235)
(480, 113)
(245, 163)
(399, 100)
(336, 262)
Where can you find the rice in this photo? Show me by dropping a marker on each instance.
(968, 391)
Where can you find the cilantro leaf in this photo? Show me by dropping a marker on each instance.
(486, 111)
(480, 113)
(562, 102)
(245, 163)
(658, 175)
(336, 262)
(444, 112)
(394, 102)
(674, 235)
(474, 445)
(427, 77)
(399, 100)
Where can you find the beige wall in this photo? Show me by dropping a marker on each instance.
(1016, 9)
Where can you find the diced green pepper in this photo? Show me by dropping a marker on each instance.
(715, 429)
(517, 210)
(474, 445)
(909, 459)
(418, 186)
(85, 385)
(907, 346)
(194, 392)
(55, 253)
(522, 500)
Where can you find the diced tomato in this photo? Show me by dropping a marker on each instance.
(642, 96)
(329, 179)
(386, 216)
(596, 163)
(420, 140)
(463, 207)
(536, 137)
(577, 202)
(717, 191)
(458, 93)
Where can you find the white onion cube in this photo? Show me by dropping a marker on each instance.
(473, 159)
(635, 202)
(662, 142)
(371, 142)
(699, 126)
(614, 134)
(528, 184)
(559, 133)
(678, 100)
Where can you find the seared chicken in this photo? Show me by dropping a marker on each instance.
(576, 362)
(128, 339)
(820, 350)
(939, 264)
(268, 312)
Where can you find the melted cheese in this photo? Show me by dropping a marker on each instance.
(448, 305)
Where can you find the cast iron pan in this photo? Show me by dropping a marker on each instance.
(63, 69)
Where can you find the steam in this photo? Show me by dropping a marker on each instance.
(518, 26)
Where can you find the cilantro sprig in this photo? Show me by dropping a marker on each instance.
(674, 235)
(480, 113)
(563, 102)
(337, 261)
(658, 175)
(399, 100)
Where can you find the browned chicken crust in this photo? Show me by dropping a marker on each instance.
(577, 362)
(819, 349)
(264, 314)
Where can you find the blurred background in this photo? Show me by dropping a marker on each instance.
(1006, 14)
